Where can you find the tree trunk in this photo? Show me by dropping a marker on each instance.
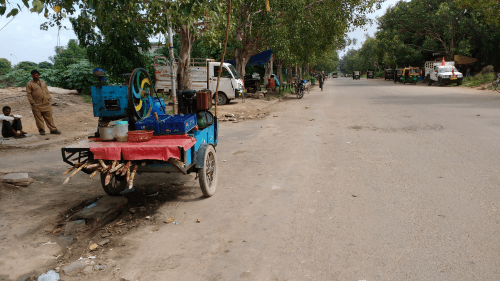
(289, 73)
(299, 72)
(269, 71)
(279, 70)
(184, 70)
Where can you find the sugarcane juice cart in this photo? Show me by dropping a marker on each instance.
(156, 142)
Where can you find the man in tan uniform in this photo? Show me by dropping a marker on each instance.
(39, 98)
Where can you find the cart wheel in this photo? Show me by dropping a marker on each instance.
(116, 185)
(208, 174)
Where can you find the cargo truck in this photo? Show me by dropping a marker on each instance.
(203, 76)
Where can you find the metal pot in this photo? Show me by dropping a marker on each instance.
(107, 133)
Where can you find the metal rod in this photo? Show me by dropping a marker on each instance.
(222, 59)
(172, 61)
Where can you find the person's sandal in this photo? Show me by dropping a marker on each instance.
(42, 133)
(56, 132)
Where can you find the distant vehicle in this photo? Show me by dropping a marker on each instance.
(334, 75)
(397, 75)
(204, 74)
(370, 75)
(443, 73)
(389, 74)
(410, 75)
(356, 75)
(348, 75)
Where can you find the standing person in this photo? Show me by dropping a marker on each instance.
(320, 80)
(39, 98)
(11, 125)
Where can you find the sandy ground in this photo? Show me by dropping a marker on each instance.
(366, 180)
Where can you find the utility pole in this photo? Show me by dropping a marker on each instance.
(172, 61)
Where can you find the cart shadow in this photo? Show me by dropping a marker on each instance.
(153, 193)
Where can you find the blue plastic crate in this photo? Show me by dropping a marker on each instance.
(150, 123)
(178, 124)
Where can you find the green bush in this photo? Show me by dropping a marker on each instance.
(15, 78)
(379, 74)
(478, 80)
(79, 76)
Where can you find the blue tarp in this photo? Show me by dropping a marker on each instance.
(258, 59)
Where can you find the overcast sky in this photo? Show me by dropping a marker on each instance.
(360, 33)
(22, 40)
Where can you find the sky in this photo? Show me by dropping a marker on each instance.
(359, 33)
(22, 40)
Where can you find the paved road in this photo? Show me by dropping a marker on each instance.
(367, 180)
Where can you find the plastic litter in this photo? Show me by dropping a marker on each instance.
(91, 206)
(51, 275)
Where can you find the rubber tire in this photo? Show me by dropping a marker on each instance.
(222, 99)
(395, 81)
(440, 82)
(429, 82)
(116, 184)
(209, 167)
(300, 94)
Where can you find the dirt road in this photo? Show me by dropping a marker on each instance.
(367, 180)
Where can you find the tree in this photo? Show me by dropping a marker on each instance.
(27, 65)
(5, 66)
(45, 65)
(298, 31)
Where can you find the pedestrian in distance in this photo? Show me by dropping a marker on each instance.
(39, 98)
(11, 124)
(320, 80)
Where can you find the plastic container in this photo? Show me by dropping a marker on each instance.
(140, 136)
(178, 124)
(121, 130)
(107, 133)
(203, 100)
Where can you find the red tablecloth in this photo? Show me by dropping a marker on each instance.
(159, 148)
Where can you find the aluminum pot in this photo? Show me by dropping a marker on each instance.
(107, 133)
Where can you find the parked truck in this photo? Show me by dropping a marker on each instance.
(203, 76)
(442, 72)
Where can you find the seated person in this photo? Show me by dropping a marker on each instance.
(11, 125)
(275, 80)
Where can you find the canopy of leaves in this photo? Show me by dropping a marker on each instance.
(45, 65)
(412, 32)
(5, 66)
(27, 65)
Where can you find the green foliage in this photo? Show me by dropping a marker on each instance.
(16, 78)
(5, 66)
(79, 76)
(478, 80)
(112, 39)
(45, 65)
(27, 65)
(66, 56)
